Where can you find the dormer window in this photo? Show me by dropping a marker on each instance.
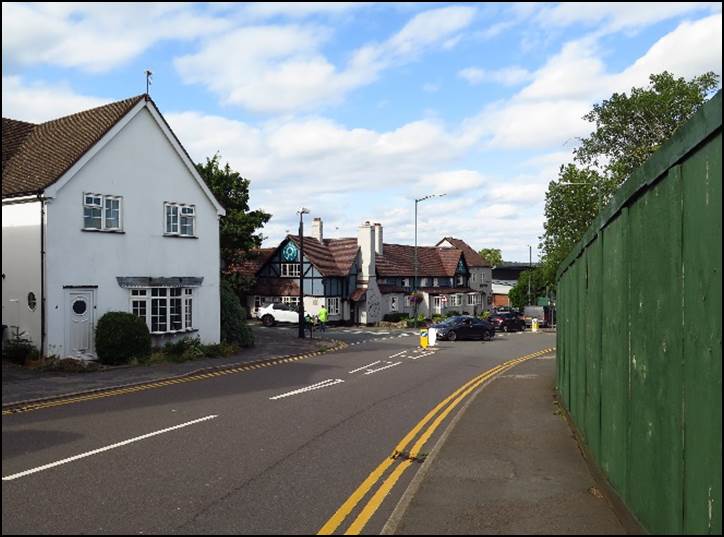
(180, 219)
(102, 212)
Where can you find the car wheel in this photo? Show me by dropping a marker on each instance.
(452, 336)
(267, 320)
(488, 335)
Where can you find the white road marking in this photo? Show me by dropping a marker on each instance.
(107, 448)
(422, 355)
(365, 367)
(398, 354)
(371, 371)
(319, 385)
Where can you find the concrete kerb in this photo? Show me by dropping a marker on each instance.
(19, 406)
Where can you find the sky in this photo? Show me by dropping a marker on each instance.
(354, 110)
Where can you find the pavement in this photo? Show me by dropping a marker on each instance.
(508, 463)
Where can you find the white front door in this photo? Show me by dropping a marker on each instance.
(437, 302)
(80, 319)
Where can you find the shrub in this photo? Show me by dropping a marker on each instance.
(395, 317)
(121, 336)
(183, 350)
(19, 348)
(452, 313)
(233, 319)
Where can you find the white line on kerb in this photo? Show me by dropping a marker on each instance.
(317, 386)
(107, 448)
(366, 366)
(369, 372)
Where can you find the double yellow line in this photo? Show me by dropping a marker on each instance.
(435, 417)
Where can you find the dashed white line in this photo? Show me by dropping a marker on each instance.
(324, 384)
(371, 371)
(106, 448)
(364, 367)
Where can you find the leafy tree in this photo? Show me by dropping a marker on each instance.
(237, 230)
(518, 295)
(492, 256)
(628, 130)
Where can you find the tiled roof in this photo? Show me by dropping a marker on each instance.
(399, 260)
(332, 257)
(35, 156)
(277, 287)
(252, 262)
(472, 258)
(358, 294)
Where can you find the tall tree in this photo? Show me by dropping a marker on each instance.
(628, 130)
(492, 256)
(238, 229)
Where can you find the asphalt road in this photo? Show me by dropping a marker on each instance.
(275, 450)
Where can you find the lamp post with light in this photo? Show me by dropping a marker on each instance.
(301, 213)
(414, 281)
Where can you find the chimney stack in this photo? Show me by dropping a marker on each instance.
(317, 229)
(366, 243)
(378, 239)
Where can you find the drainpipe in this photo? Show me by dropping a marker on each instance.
(42, 273)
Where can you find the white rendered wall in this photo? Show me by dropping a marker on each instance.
(140, 165)
(21, 268)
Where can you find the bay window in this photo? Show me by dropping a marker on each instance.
(165, 310)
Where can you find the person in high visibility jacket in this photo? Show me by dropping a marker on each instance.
(323, 315)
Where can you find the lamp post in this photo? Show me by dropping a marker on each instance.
(301, 213)
(414, 281)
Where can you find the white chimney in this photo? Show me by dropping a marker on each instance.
(378, 239)
(317, 229)
(366, 243)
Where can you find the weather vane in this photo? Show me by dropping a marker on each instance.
(149, 74)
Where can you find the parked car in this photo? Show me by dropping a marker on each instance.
(508, 322)
(278, 312)
(464, 327)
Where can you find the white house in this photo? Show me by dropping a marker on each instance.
(103, 210)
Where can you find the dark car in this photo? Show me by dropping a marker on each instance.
(464, 327)
(508, 322)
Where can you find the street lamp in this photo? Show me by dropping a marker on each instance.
(301, 212)
(414, 281)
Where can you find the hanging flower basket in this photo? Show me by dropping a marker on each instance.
(416, 298)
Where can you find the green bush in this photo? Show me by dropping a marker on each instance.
(183, 350)
(19, 348)
(395, 317)
(437, 318)
(452, 313)
(121, 336)
(233, 319)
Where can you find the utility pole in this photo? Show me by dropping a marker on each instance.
(530, 270)
(301, 213)
(414, 281)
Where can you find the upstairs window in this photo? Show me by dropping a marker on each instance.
(290, 270)
(102, 212)
(180, 219)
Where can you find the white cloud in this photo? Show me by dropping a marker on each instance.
(452, 181)
(41, 102)
(508, 76)
(276, 69)
(96, 37)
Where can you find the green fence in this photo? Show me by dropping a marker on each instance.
(639, 334)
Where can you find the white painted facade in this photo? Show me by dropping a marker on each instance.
(141, 162)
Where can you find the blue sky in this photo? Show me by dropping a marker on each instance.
(354, 110)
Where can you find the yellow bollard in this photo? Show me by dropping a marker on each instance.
(424, 339)
(534, 325)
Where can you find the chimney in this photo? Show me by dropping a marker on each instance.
(366, 243)
(378, 239)
(317, 229)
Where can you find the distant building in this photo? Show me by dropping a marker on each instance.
(505, 276)
(362, 279)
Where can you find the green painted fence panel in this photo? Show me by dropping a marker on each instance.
(639, 334)
(655, 470)
(615, 353)
(702, 340)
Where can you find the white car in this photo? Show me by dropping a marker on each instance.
(278, 312)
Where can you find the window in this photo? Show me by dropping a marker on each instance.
(460, 280)
(290, 300)
(393, 303)
(180, 219)
(435, 282)
(290, 270)
(473, 299)
(101, 212)
(32, 301)
(405, 282)
(333, 306)
(456, 300)
(164, 309)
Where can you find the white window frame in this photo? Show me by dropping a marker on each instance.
(333, 305)
(103, 209)
(394, 303)
(142, 298)
(289, 270)
(290, 300)
(460, 280)
(436, 282)
(178, 209)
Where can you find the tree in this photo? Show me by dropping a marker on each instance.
(237, 230)
(518, 295)
(628, 130)
(492, 256)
